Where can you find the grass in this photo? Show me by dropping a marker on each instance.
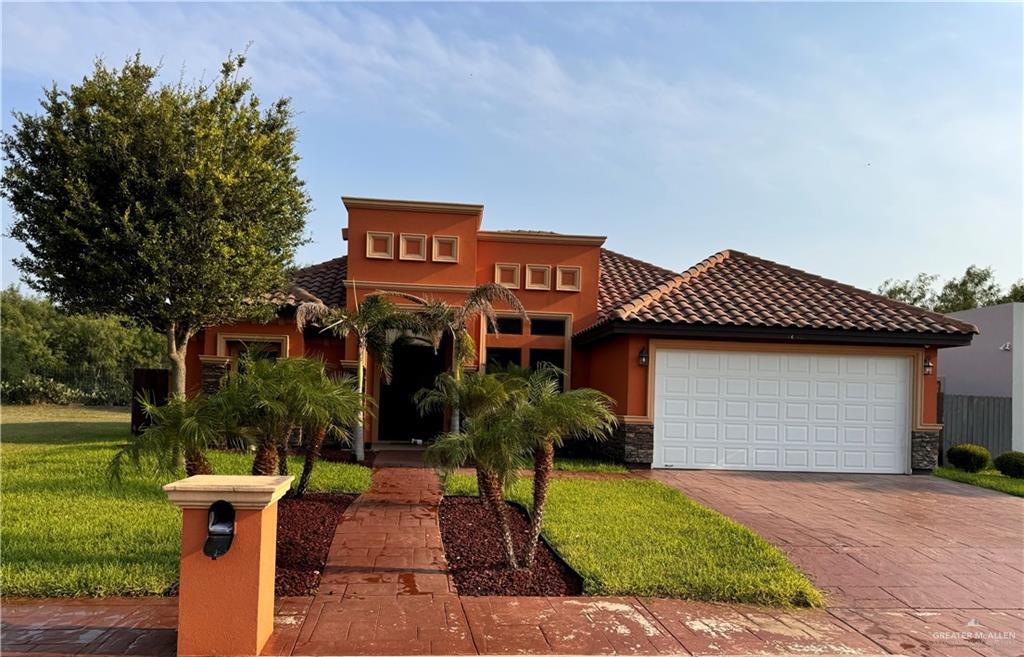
(572, 464)
(65, 532)
(992, 479)
(636, 537)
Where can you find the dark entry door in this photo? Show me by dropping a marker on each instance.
(415, 367)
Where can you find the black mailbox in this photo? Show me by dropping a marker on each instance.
(221, 529)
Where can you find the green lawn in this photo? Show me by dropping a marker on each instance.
(575, 464)
(637, 537)
(986, 479)
(65, 532)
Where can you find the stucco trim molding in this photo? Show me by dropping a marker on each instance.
(374, 286)
(534, 237)
(360, 203)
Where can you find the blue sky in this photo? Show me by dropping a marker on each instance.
(857, 141)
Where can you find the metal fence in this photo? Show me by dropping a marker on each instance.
(70, 385)
(983, 421)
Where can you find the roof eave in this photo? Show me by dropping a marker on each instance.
(769, 334)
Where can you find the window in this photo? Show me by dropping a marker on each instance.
(507, 326)
(412, 247)
(507, 274)
(380, 245)
(556, 357)
(238, 348)
(499, 357)
(547, 326)
(567, 279)
(446, 248)
(538, 277)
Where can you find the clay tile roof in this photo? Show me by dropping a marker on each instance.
(623, 279)
(324, 282)
(732, 288)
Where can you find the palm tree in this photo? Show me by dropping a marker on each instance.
(475, 395)
(373, 323)
(255, 405)
(499, 452)
(436, 318)
(327, 407)
(547, 419)
(180, 431)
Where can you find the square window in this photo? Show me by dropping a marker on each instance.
(567, 279)
(380, 245)
(446, 248)
(412, 247)
(507, 274)
(538, 277)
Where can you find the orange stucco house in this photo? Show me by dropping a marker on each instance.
(737, 362)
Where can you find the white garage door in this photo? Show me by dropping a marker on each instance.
(775, 411)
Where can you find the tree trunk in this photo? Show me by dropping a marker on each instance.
(358, 448)
(481, 488)
(543, 464)
(455, 421)
(177, 347)
(316, 441)
(282, 453)
(496, 502)
(196, 463)
(265, 462)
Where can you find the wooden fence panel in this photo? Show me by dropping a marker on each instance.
(983, 421)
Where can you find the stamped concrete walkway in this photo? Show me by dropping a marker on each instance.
(386, 591)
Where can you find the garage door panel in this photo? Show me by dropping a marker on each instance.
(748, 410)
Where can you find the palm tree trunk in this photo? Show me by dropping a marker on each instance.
(543, 465)
(196, 463)
(358, 447)
(496, 502)
(481, 489)
(455, 421)
(265, 462)
(282, 453)
(316, 441)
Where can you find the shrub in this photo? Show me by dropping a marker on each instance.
(34, 389)
(968, 457)
(1011, 464)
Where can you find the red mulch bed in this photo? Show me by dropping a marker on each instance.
(476, 557)
(305, 529)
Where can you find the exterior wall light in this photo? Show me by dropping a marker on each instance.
(642, 358)
(928, 366)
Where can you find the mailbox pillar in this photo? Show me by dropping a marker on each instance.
(226, 605)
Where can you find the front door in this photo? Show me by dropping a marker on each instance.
(415, 366)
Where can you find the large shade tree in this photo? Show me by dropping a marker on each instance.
(173, 204)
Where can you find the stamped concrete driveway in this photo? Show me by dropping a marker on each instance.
(917, 562)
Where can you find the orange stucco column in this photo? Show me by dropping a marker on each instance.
(226, 605)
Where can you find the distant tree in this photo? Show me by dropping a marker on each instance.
(916, 291)
(1014, 294)
(173, 204)
(36, 337)
(975, 289)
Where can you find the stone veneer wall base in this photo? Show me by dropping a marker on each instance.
(924, 451)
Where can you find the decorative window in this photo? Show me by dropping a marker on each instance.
(538, 277)
(507, 275)
(567, 279)
(412, 247)
(446, 248)
(380, 245)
